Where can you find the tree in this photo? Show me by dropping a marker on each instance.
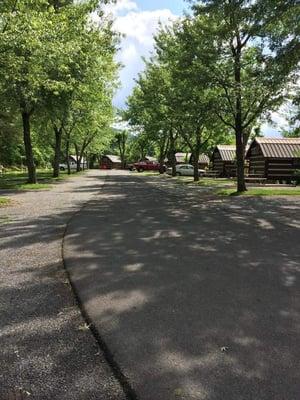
(51, 52)
(147, 110)
(121, 138)
(11, 150)
(24, 39)
(252, 58)
(81, 75)
(190, 98)
(140, 145)
(172, 98)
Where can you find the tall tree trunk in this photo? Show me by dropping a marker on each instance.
(196, 156)
(78, 164)
(240, 158)
(28, 147)
(240, 154)
(68, 154)
(78, 159)
(161, 158)
(172, 153)
(57, 151)
(122, 149)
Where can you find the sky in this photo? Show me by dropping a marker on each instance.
(138, 21)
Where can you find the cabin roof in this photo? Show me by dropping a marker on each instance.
(203, 159)
(75, 158)
(113, 159)
(227, 152)
(185, 157)
(279, 147)
(182, 157)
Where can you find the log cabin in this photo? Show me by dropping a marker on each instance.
(187, 158)
(110, 162)
(275, 159)
(223, 161)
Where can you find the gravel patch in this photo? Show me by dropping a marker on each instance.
(47, 351)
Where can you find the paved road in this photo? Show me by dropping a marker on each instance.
(172, 277)
(46, 351)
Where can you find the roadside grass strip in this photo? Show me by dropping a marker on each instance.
(17, 180)
(4, 201)
(261, 192)
(147, 173)
(205, 182)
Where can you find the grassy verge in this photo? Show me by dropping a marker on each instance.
(204, 182)
(261, 192)
(4, 201)
(147, 173)
(17, 180)
(189, 180)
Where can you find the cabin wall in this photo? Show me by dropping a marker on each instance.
(257, 163)
(203, 165)
(218, 164)
(106, 163)
(229, 169)
(271, 168)
(279, 169)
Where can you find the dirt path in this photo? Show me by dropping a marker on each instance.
(47, 352)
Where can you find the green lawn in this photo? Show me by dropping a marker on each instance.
(4, 201)
(205, 182)
(265, 191)
(146, 173)
(16, 180)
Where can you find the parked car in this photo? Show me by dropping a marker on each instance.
(185, 170)
(64, 166)
(73, 164)
(147, 166)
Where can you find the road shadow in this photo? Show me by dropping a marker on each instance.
(196, 298)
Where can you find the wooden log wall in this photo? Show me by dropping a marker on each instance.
(218, 164)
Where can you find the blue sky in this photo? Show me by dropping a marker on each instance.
(176, 6)
(138, 21)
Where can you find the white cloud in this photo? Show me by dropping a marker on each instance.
(120, 6)
(138, 28)
(142, 25)
(278, 123)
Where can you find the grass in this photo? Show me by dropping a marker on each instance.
(17, 180)
(227, 187)
(189, 180)
(4, 201)
(261, 192)
(218, 182)
(205, 182)
(147, 173)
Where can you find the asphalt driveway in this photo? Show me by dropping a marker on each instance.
(195, 297)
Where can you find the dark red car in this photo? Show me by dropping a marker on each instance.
(147, 166)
